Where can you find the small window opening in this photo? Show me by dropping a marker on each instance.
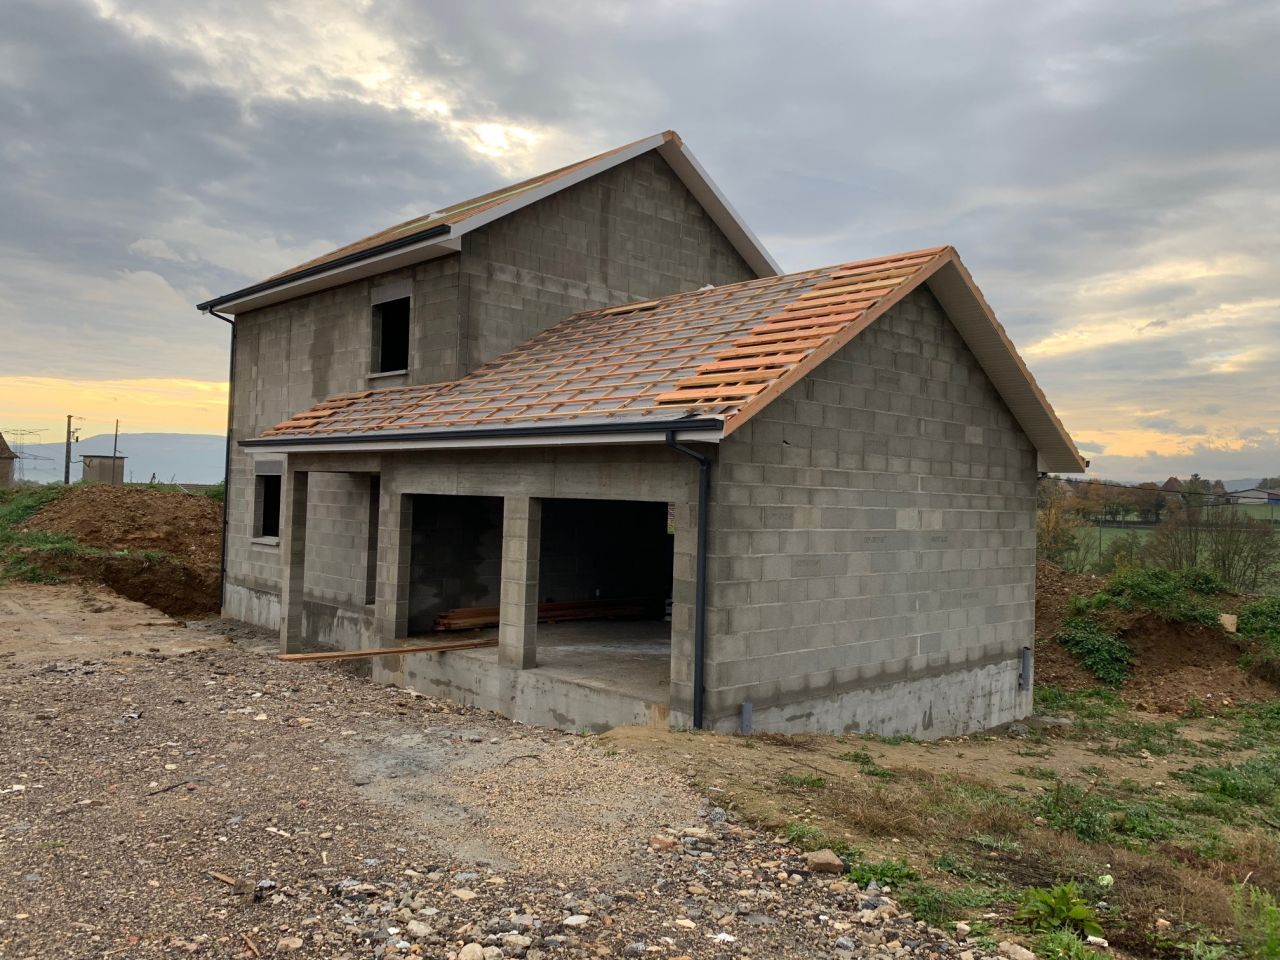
(266, 506)
(391, 336)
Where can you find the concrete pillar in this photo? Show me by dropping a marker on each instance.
(293, 557)
(395, 533)
(518, 614)
(683, 588)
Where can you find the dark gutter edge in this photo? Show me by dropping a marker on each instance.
(226, 464)
(582, 429)
(700, 581)
(351, 258)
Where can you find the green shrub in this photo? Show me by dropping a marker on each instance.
(1257, 922)
(1046, 909)
(1101, 651)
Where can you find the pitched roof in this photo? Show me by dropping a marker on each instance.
(438, 232)
(5, 452)
(716, 355)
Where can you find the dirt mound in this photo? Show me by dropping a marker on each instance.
(181, 525)
(186, 531)
(1174, 664)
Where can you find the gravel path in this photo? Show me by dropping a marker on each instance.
(194, 796)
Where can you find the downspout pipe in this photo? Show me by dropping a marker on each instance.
(226, 463)
(700, 583)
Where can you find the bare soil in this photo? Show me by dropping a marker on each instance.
(131, 518)
(1177, 667)
(166, 545)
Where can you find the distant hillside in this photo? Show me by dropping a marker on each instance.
(1233, 485)
(172, 457)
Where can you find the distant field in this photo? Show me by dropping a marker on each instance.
(1091, 538)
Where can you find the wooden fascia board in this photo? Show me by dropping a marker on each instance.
(834, 345)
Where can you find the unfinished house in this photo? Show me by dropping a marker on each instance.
(624, 472)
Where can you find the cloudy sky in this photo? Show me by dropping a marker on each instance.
(1110, 172)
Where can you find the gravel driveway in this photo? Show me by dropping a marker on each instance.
(172, 791)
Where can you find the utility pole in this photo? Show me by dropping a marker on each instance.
(66, 467)
(115, 446)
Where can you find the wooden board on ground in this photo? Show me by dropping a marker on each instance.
(388, 651)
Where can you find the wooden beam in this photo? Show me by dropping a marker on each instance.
(387, 651)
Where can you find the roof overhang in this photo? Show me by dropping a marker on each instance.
(973, 317)
(446, 239)
(709, 430)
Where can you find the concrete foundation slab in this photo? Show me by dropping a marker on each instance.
(591, 675)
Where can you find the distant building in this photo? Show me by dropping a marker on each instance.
(1172, 485)
(103, 469)
(7, 460)
(1255, 495)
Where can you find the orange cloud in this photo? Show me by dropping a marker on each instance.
(142, 405)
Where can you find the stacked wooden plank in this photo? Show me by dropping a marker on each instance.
(471, 618)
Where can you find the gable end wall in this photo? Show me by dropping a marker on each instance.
(873, 545)
(630, 233)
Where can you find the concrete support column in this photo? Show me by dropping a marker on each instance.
(395, 532)
(518, 614)
(293, 558)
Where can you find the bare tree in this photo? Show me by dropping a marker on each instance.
(1241, 551)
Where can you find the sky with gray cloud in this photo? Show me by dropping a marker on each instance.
(1109, 172)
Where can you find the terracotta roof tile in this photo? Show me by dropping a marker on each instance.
(720, 352)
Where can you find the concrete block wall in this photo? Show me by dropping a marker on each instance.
(630, 233)
(873, 530)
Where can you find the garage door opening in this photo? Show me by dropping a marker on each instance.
(604, 588)
(455, 557)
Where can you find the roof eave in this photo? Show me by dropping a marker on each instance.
(427, 244)
(704, 429)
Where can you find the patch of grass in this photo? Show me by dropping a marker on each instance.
(1170, 596)
(803, 835)
(1071, 809)
(1085, 704)
(1100, 650)
(17, 506)
(807, 781)
(1252, 782)
(1062, 945)
(1260, 620)
(1257, 922)
(867, 764)
(939, 906)
(948, 863)
(217, 493)
(887, 872)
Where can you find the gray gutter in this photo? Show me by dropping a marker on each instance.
(352, 258)
(491, 433)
